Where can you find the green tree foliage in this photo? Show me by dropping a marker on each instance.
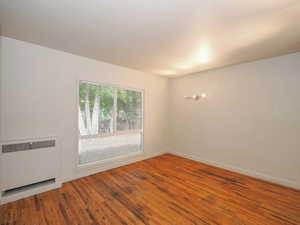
(129, 103)
(106, 98)
(129, 107)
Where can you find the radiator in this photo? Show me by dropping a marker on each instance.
(29, 167)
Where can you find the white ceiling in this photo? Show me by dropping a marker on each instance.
(165, 37)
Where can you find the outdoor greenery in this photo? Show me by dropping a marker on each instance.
(97, 107)
(106, 98)
(129, 105)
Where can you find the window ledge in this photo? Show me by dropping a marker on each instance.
(108, 162)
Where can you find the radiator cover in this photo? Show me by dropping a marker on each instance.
(28, 162)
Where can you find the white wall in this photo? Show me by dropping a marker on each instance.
(39, 97)
(250, 121)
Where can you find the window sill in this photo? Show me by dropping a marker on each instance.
(111, 162)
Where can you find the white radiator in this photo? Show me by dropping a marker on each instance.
(29, 167)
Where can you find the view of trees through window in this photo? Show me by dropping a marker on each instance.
(105, 110)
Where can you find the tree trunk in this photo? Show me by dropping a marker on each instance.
(87, 113)
(95, 116)
(82, 128)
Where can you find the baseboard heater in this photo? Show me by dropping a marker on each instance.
(29, 167)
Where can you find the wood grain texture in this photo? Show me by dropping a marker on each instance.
(163, 190)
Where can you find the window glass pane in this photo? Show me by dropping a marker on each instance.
(96, 109)
(106, 114)
(129, 110)
(86, 95)
(101, 148)
(106, 110)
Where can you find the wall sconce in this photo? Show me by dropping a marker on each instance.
(196, 97)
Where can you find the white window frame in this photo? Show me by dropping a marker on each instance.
(115, 131)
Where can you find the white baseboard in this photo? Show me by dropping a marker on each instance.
(276, 180)
(87, 170)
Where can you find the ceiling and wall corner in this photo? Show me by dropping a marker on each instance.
(170, 37)
(249, 119)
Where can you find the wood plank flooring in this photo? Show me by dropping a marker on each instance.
(163, 190)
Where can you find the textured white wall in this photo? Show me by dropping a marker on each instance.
(249, 121)
(39, 97)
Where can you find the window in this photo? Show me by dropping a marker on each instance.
(129, 110)
(110, 121)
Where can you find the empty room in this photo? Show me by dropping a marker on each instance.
(139, 112)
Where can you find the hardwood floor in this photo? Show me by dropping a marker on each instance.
(162, 190)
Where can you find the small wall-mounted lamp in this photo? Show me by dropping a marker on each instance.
(196, 97)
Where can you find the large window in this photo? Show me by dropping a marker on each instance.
(110, 121)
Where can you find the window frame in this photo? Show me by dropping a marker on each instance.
(115, 131)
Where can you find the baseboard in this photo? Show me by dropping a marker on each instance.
(116, 162)
(261, 176)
